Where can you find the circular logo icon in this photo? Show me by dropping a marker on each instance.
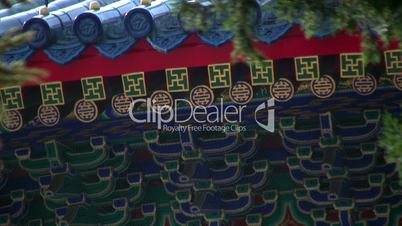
(11, 120)
(364, 85)
(398, 82)
(121, 104)
(323, 87)
(282, 90)
(161, 101)
(48, 115)
(201, 95)
(85, 111)
(241, 93)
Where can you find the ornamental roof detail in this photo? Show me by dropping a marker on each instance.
(113, 27)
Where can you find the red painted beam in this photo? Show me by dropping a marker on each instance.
(192, 53)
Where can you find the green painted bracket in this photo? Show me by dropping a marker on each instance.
(312, 184)
(270, 196)
(319, 214)
(344, 204)
(368, 148)
(382, 210)
(254, 220)
(87, 160)
(183, 196)
(287, 122)
(216, 215)
(191, 155)
(372, 115)
(337, 173)
(330, 142)
(232, 159)
(376, 180)
(304, 152)
(260, 165)
(300, 193)
(206, 185)
(243, 190)
(293, 162)
(151, 136)
(17, 195)
(172, 166)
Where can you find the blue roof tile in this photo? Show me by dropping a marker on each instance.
(115, 27)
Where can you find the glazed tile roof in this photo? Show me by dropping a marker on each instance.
(115, 27)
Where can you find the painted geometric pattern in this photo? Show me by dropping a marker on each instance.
(161, 101)
(11, 120)
(134, 84)
(11, 98)
(262, 73)
(48, 115)
(85, 111)
(352, 65)
(307, 68)
(393, 62)
(121, 104)
(201, 96)
(219, 76)
(241, 178)
(365, 85)
(52, 93)
(398, 82)
(93, 88)
(282, 90)
(241, 93)
(177, 79)
(323, 87)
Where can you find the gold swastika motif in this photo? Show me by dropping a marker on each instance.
(161, 101)
(398, 82)
(307, 68)
(93, 88)
(134, 84)
(11, 98)
(282, 90)
(393, 62)
(48, 115)
(121, 104)
(11, 120)
(352, 65)
(52, 93)
(323, 87)
(219, 76)
(201, 95)
(85, 111)
(262, 73)
(241, 93)
(364, 85)
(177, 79)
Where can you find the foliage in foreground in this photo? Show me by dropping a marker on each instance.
(374, 20)
(391, 140)
(16, 73)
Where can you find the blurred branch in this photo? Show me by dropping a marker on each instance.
(391, 140)
(373, 20)
(16, 73)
